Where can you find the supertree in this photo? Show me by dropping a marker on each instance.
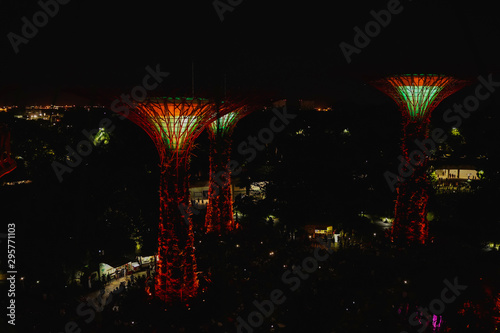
(173, 124)
(219, 217)
(7, 163)
(416, 95)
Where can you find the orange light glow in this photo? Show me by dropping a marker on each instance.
(173, 124)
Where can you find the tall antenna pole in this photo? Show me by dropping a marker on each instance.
(225, 86)
(192, 78)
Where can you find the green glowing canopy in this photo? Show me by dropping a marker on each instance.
(176, 130)
(418, 94)
(174, 122)
(418, 98)
(224, 124)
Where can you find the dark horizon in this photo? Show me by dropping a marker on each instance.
(283, 49)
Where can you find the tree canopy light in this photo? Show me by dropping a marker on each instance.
(418, 98)
(225, 123)
(219, 218)
(417, 95)
(173, 124)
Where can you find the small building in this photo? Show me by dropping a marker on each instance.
(198, 192)
(117, 268)
(319, 230)
(456, 172)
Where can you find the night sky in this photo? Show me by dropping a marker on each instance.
(91, 50)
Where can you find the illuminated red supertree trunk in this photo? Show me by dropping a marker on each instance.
(7, 163)
(173, 124)
(219, 217)
(416, 95)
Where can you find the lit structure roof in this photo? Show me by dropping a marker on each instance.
(224, 124)
(174, 122)
(418, 94)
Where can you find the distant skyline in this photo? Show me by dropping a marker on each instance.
(90, 48)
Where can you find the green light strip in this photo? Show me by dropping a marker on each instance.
(176, 131)
(418, 98)
(224, 123)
